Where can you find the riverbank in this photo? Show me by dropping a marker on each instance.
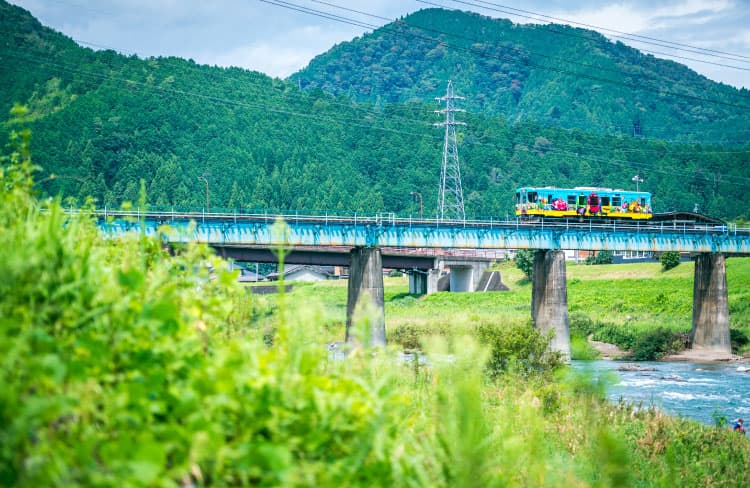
(607, 351)
(618, 304)
(702, 356)
(612, 352)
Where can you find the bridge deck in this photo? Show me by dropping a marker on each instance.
(391, 231)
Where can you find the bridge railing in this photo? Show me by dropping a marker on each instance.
(392, 220)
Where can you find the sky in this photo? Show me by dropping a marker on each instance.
(279, 40)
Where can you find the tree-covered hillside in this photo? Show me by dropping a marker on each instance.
(101, 122)
(552, 74)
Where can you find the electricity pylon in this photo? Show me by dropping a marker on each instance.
(450, 196)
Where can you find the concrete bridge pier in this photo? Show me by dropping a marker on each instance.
(423, 282)
(465, 274)
(549, 299)
(366, 293)
(710, 307)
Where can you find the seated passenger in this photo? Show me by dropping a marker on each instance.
(594, 207)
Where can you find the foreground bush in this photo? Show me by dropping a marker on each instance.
(123, 366)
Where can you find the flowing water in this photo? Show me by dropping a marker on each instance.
(699, 391)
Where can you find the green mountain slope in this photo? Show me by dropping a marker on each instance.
(102, 122)
(552, 74)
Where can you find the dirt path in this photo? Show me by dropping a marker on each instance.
(608, 351)
(703, 356)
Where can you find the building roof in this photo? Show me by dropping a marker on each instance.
(325, 271)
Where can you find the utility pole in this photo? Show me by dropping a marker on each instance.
(208, 201)
(421, 209)
(637, 180)
(450, 195)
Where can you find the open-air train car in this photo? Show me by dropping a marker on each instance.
(582, 201)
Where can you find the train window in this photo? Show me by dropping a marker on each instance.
(616, 200)
(581, 200)
(643, 202)
(532, 197)
(605, 201)
(518, 198)
(571, 199)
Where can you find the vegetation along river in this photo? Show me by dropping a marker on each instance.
(700, 391)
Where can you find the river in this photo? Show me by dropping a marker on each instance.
(693, 390)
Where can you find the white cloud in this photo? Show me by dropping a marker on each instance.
(690, 7)
(634, 18)
(279, 41)
(265, 57)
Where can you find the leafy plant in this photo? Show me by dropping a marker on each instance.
(581, 349)
(524, 260)
(654, 345)
(124, 365)
(581, 325)
(601, 257)
(669, 260)
(519, 348)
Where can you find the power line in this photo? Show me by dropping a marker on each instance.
(291, 6)
(131, 84)
(623, 35)
(378, 114)
(573, 34)
(298, 96)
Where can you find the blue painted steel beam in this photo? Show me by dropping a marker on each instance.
(259, 230)
(338, 257)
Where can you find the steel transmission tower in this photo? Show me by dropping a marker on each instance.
(450, 196)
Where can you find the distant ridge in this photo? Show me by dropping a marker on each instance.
(230, 139)
(552, 74)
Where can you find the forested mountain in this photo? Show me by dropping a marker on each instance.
(552, 74)
(101, 122)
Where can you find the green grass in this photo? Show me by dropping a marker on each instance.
(123, 365)
(635, 298)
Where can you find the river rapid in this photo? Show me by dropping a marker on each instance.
(699, 391)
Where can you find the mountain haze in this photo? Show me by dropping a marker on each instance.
(101, 122)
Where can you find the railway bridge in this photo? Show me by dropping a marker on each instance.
(363, 237)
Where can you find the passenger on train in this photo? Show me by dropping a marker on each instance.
(559, 204)
(594, 206)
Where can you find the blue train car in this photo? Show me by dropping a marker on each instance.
(582, 201)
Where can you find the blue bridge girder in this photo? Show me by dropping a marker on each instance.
(391, 231)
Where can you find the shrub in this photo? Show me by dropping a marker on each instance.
(520, 348)
(669, 260)
(125, 366)
(581, 325)
(738, 338)
(395, 273)
(408, 336)
(602, 257)
(655, 344)
(581, 348)
(621, 336)
(525, 262)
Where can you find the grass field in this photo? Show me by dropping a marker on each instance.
(635, 297)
